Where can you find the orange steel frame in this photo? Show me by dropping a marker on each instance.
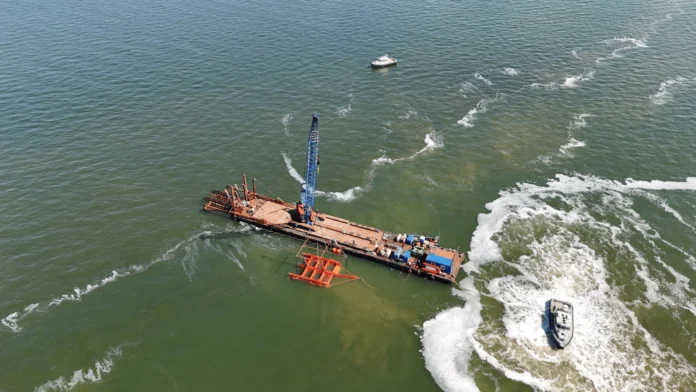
(319, 271)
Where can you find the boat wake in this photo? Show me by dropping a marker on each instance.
(483, 79)
(511, 71)
(344, 111)
(480, 108)
(467, 87)
(664, 93)
(409, 114)
(566, 150)
(633, 43)
(577, 238)
(189, 246)
(387, 127)
(293, 173)
(572, 144)
(92, 374)
(432, 141)
(448, 341)
(342, 197)
(569, 82)
(285, 121)
(573, 81)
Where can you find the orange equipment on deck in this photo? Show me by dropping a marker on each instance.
(319, 271)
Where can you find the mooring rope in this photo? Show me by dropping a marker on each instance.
(266, 188)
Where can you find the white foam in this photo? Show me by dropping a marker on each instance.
(293, 173)
(634, 43)
(77, 293)
(343, 197)
(411, 113)
(483, 79)
(566, 150)
(93, 374)
(285, 121)
(569, 82)
(575, 54)
(238, 247)
(658, 201)
(572, 81)
(480, 108)
(547, 159)
(579, 121)
(448, 342)
(545, 86)
(189, 261)
(689, 184)
(664, 93)
(466, 87)
(511, 71)
(383, 160)
(344, 110)
(639, 43)
(572, 144)
(235, 259)
(432, 140)
(468, 120)
(11, 320)
(431, 183)
(387, 126)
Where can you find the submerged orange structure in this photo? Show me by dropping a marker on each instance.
(319, 271)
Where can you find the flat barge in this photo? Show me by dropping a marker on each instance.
(412, 253)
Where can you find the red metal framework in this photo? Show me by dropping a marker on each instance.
(319, 271)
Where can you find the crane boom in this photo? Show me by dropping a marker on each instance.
(310, 185)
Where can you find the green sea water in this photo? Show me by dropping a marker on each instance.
(551, 141)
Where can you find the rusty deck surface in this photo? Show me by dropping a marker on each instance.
(331, 227)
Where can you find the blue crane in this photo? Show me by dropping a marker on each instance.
(310, 185)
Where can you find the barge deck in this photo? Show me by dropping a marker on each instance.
(415, 254)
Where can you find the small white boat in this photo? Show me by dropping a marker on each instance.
(383, 61)
(559, 322)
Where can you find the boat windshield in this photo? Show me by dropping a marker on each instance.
(563, 320)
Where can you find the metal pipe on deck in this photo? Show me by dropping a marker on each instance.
(246, 190)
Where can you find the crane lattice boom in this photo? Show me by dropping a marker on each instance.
(310, 185)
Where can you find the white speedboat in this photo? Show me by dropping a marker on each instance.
(383, 61)
(559, 321)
